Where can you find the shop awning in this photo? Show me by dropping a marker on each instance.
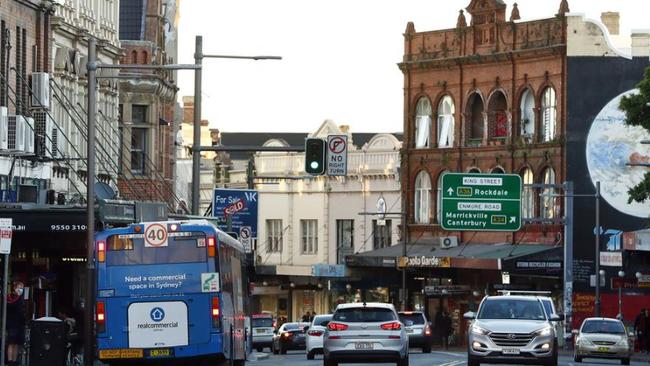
(475, 256)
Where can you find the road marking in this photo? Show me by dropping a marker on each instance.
(459, 354)
(452, 363)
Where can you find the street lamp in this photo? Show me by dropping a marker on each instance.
(196, 147)
(621, 275)
(638, 275)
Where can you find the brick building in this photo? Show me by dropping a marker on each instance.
(148, 108)
(493, 95)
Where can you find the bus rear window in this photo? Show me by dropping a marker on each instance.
(130, 250)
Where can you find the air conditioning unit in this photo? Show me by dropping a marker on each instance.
(448, 241)
(4, 128)
(29, 136)
(40, 90)
(44, 134)
(16, 134)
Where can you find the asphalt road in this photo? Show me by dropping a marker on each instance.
(437, 358)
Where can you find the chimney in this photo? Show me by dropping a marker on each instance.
(611, 21)
(640, 43)
(344, 129)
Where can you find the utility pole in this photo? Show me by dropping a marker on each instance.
(597, 255)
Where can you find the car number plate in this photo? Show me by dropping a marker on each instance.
(161, 352)
(603, 349)
(409, 331)
(511, 351)
(121, 353)
(363, 345)
(260, 330)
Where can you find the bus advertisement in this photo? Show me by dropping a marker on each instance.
(170, 290)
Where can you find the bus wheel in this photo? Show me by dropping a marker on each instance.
(239, 363)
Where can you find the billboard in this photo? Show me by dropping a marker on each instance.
(236, 211)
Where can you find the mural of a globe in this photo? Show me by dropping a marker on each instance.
(611, 144)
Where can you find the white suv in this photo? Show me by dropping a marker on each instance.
(511, 329)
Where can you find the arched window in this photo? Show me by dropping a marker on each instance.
(475, 109)
(422, 123)
(474, 170)
(527, 115)
(527, 196)
(439, 198)
(497, 117)
(422, 196)
(549, 114)
(134, 57)
(145, 57)
(547, 200)
(446, 122)
(498, 170)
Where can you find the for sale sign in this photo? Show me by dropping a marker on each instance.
(5, 236)
(337, 155)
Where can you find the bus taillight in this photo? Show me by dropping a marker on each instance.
(101, 317)
(101, 251)
(212, 250)
(215, 312)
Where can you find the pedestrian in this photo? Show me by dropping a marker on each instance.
(446, 329)
(15, 322)
(439, 326)
(305, 317)
(312, 316)
(641, 329)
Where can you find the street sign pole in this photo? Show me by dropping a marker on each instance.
(5, 248)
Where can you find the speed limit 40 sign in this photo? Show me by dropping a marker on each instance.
(155, 235)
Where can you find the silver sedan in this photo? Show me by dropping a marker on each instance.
(603, 338)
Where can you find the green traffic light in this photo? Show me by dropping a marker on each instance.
(314, 165)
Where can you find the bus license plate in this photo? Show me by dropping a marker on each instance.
(161, 352)
(121, 353)
(511, 351)
(363, 345)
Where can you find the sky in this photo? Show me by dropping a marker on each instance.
(339, 57)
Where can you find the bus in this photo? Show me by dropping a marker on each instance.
(170, 291)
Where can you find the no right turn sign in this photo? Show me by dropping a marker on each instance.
(337, 155)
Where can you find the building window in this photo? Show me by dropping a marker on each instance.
(497, 117)
(498, 170)
(527, 194)
(446, 122)
(547, 199)
(381, 234)
(439, 198)
(474, 170)
(422, 123)
(475, 117)
(138, 149)
(527, 115)
(422, 194)
(345, 234)
(139, 113)
(274, 236)
(549, 114)
(309, 235)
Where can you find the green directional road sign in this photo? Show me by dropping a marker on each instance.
(481, 202)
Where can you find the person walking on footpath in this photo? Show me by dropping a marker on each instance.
(641, 329)
(445, 329)
(15, 322)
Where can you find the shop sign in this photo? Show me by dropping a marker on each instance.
(611, 259)
(538, 265)
(424, 262)
(446, 290)
(328, 270)
(637, 240)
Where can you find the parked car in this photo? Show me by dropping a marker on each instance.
(365, 332)
(603, 338)
(418, 329)
(511, 329)
(262, 331)
(314, 342)
(290, 336)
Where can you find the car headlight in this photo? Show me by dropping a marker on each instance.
(478, 330)
(544, 331)
(623, 342)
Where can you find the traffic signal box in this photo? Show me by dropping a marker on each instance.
(315, 156)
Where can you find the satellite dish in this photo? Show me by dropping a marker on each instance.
(104, 191)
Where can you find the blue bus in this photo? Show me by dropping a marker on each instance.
(170, 291)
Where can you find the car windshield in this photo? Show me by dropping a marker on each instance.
(364, 315)
(511, 309)
(262, 322)
(322, 320)
(411, 319)
(603, 326)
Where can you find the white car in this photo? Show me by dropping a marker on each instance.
(314, 342)
(603, 338)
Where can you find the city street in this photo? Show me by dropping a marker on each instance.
(438, 358)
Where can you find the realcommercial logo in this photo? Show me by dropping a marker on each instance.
(157, 314)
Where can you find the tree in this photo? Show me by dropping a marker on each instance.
(637, 113)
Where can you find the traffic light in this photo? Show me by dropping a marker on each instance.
(314, 156)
